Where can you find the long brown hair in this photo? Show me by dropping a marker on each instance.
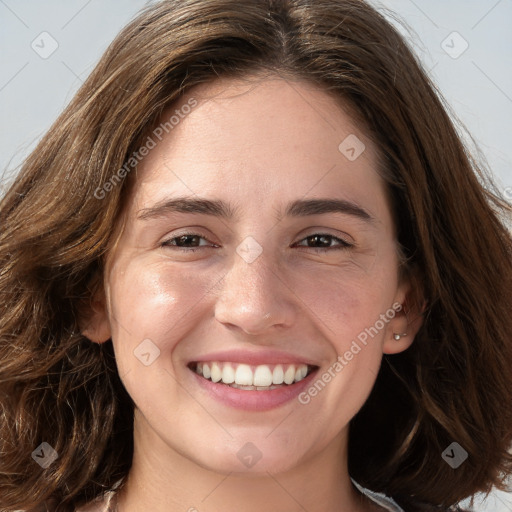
(453, 384)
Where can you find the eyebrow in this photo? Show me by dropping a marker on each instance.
(221, 209)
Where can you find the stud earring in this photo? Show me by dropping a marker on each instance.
(398, 336)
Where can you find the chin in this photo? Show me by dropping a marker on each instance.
(258, 457)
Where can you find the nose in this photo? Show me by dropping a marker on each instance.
(254, 297)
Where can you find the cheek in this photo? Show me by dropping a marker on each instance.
(345, 302)
(349, 309)
(152, 301)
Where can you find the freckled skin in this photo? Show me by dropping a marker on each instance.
(257, 146)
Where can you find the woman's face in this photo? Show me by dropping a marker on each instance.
(284, 260)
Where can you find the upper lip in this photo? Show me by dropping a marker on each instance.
(253, 357)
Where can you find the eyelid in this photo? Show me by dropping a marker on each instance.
(342, 242)
(315, 230)
(166, 241)
(321, 233)
(345, 237)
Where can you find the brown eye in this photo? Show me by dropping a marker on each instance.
(182, 242)
(325, 239)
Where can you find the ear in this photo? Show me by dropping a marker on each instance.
(408, 318)
(94, 324)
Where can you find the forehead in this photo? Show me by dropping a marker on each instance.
(257, 134)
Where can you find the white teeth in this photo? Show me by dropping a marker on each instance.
(278, 374)
(252, 388)
(247, 388)
(243, 376)
(301, 372)
(262, 376)
(228, 374)
(289, 375)
(216, 372)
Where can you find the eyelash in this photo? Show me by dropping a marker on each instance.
(343, 243)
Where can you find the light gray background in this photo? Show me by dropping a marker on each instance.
(477, 83)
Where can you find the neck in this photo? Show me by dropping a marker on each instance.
(162, 480)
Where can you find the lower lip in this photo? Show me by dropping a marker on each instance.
(253, 400)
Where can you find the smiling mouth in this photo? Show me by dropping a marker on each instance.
(264, 377)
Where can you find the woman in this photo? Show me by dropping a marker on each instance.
(252, 266)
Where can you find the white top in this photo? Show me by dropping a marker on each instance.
(103, 505)
(380, 499)
(106, 503)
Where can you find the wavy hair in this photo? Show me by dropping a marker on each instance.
(453, 384)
